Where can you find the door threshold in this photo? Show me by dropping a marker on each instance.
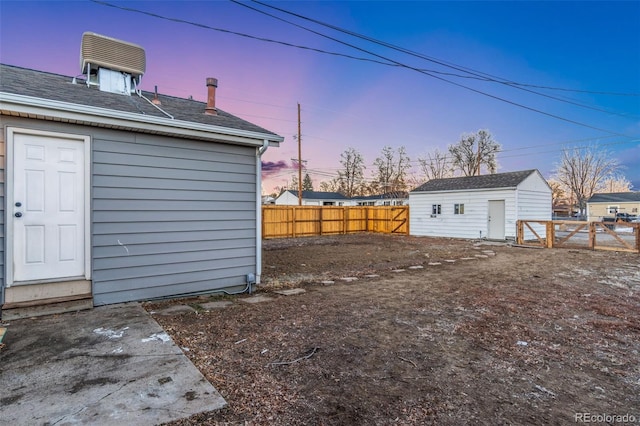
(52, 280)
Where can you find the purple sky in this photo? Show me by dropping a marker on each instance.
(585, 46)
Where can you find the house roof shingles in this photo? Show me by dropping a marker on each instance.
(492, 181)
(615, 197)
(55, 87)
(317, 195)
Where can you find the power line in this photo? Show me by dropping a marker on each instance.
(475, 73)
(393, 63)
(331, 172)
(435, 76)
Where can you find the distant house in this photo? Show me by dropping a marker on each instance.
(389, 199)
(603, 205)
(312, 198)
(485, 206)
(115, 195)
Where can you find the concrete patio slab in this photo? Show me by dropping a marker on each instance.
(176, 309)
(290, 291)
(111, 365)
(255, 299)
(217, 304)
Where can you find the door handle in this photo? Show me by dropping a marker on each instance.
(18, 214)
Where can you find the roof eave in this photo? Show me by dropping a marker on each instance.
(40, 108)
(463, 190)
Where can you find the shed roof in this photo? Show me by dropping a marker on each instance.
(615, 197)
(493, 181)
(31, 85)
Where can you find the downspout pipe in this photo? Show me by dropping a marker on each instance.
(259, 151)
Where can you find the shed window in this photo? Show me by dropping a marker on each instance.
(436, 209)
(458, 209)
(634, 210)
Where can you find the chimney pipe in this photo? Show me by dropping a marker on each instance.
(155, 99)
(212, 83)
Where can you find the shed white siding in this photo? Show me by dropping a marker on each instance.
(531, 200)
(472, 224)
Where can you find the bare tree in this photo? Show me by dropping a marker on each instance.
(391, 170)
(474, 150)
(583, 171)
(435, 165)
(351, 177)
(559, 191)
(615, 183)
(330, 185)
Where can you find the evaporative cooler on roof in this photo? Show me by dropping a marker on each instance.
(114, 65)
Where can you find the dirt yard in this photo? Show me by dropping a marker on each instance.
(503, 335)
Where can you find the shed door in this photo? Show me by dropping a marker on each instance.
(48, 208)
(496, 220)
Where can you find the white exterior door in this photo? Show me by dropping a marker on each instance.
(496, 220)
(48, 207)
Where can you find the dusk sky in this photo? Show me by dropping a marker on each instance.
(572, 68)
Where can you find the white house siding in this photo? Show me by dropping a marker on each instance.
(170, 217)
(472, 224)
(287, 199)
(291, 199)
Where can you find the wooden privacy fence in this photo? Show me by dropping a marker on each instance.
(305, 221)
(618, 236)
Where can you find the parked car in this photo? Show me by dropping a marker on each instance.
(625, 217)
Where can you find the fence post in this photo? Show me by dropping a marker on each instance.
(592, 235)
(551, 234)
(293, 222)
(344, 219)
(366, 218)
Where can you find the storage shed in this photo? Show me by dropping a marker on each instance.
(485, 206)
(115, 195)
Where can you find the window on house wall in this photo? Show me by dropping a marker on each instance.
(634, 210)
(458, 209)
(436, 209)
(612, 209)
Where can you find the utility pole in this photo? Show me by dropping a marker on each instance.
(479, 157)
(299, 160)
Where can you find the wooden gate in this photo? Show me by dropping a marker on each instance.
(620, 236)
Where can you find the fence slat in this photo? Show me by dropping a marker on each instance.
(303, 221)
